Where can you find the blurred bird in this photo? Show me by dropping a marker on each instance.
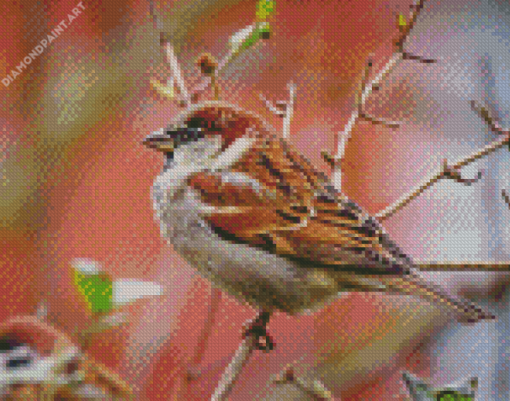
(463, 390)
(254, 216)
(37, 362)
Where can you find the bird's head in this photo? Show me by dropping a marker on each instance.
(203, 132)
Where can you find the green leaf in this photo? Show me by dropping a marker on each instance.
(94, 285)
(264, 9)
(262, 30)
(453, 396)
(402, 23)
(247, 37)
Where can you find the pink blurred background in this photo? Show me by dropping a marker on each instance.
(77, 184)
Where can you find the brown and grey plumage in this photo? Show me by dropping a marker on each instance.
(254, 216)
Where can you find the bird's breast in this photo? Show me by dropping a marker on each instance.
(251, 274)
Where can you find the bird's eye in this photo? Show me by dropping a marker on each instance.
(16, 363)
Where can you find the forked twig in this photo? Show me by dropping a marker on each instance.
(316, 389)
(176, 76)
(399, 43)
(283, 109)
(366, 89)
(447, 171)
(176, 72)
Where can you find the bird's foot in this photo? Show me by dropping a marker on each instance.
(257, 328)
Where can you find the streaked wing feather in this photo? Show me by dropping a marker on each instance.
(285, 206)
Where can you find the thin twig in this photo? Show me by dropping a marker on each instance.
(465, 267)
(316, 389)
(193, 370)
(289, 110)
(231, 373)
(446, 170)
(416, 9)
(280, 112)
(505, 198)
(378, 120)
(399, 43)
(176, 75)
(283, 109)
(255, 338)
(175, 70)
(366, 89)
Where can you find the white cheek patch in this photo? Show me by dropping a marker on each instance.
(195, 153)
(233, 153)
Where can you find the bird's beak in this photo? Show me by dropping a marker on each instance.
(160, 141)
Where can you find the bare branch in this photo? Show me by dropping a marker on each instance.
(283, 109)
(255, 338)
(366, 90)
(409, 56)
(505, 198)
(176, 71)
(271, 107)
(450, 171)
(176, 76)
(316, 389)
(382, 121)
(289, 109)
(454, 174)
(415, 11)
(465, 267)
(230, 375)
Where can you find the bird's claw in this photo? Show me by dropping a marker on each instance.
(257, 329)
(264, 342)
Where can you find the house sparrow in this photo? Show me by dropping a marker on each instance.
(39, 362)
(255, 217)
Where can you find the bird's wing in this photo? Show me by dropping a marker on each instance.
(274, 199)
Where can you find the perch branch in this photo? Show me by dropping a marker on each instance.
(231, 373)
(255, 338)
(316, 389)
(451, 171)
(193, 371)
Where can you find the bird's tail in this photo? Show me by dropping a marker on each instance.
(413, 284)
